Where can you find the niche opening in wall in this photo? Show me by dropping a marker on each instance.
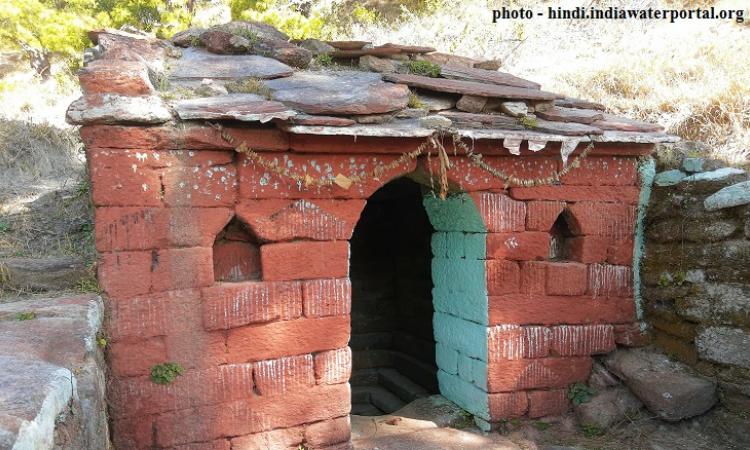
(560, 234)
(236, 254)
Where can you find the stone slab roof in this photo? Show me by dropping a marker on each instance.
(251, 72)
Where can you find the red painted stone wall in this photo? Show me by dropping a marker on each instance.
(266, 359)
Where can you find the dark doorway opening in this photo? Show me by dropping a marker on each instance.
(392, 340)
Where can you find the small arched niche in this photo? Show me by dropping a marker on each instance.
(563, 230)
(236, 254)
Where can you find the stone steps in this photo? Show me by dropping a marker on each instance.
(403, 387)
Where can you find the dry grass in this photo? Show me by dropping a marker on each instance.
(690, 76)
(32, 151)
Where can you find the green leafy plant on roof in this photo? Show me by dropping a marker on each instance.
(425, 68)
(415, 101)
(529, 122)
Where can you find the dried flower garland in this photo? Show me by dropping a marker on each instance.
(346, 181)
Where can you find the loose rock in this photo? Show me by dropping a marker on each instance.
(608, 408)
(669, 177)
(515, 109)
(115, 77)
(375, 64)
(735, 195)
(491, 64)
(223, 43)
(109, 109)
(315, 46)
(668, 389)
(435, 122)
(471, 103)
(188, 38)
(715, 175)
(692, 165)
(436, 102)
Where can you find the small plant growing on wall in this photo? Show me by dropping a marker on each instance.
(27, 315)
(166, 373)
(580, 393)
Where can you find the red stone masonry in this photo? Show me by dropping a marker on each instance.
(259, 315)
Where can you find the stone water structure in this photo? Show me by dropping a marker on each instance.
(228, 184)
(697, 271)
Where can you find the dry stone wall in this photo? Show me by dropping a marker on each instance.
(696, 273)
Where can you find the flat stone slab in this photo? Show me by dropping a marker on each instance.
(433, 439)
(406, 128)
(728, 197)
(113, 109)
(566, 128)
(570, 102)
(612, 122)
(669, 177)
(470, 87)
(436, 409)
(32, 394)
(243, 107)
(668, 389)
(339, 93)
(561, 114)
(715, 175)
(635, 137)
(724, 345)
(330, 121)
(458, 72)
(50, 274)
(373, 51)
(493, 120)
(41, 340)
(197, 64)
(348, 45)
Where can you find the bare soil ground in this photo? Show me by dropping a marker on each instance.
(719, 429)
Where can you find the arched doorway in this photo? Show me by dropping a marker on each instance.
(392, 338)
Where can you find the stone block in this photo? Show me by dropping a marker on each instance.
(286, 338)
(231, 305)
(541, 215)
(668, 389)
(525, 309)
(277, 377)
(333, 366)
(724, 345)
(503, 277)
(304, 260)
(327, 297)
(566, 278)
(581, 340)
(528, 246)
(554, 402)
(542, 373)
